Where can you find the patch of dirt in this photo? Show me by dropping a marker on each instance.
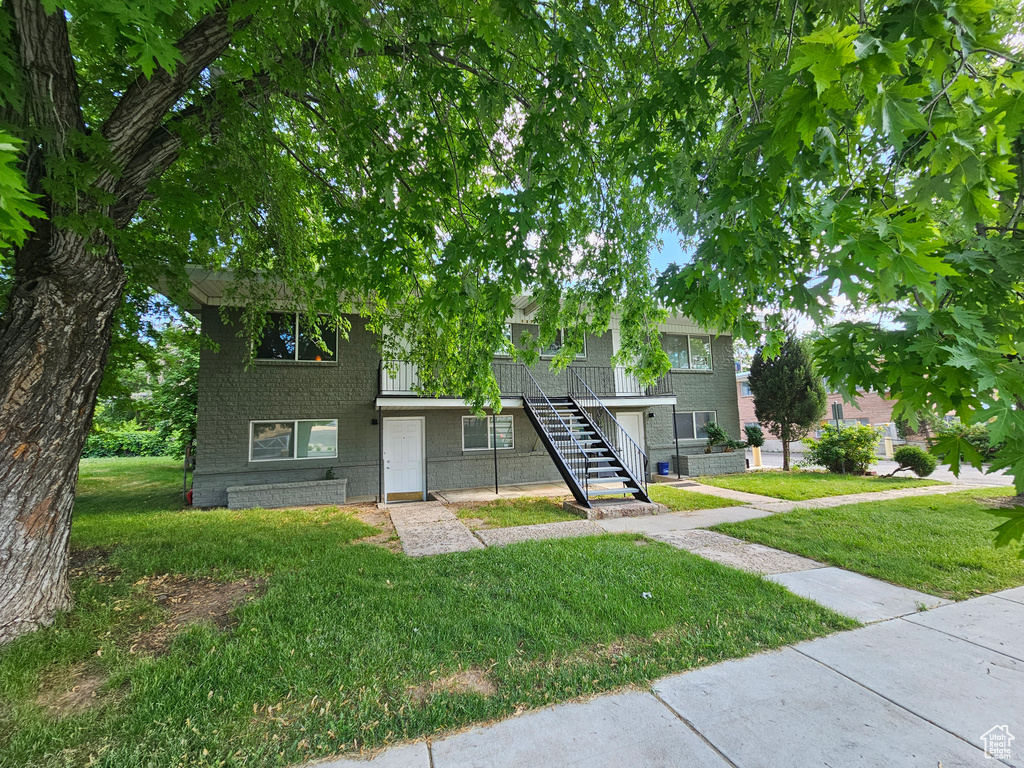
(191, 601)
(476, 523)
(73, 690)
(1004, 502)
(472, 680)
(92, 561)
(378, 518)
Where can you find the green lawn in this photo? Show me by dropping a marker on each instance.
(936, 544)
(679, 500)
(505, 513)
(802, 485)
(347, 644)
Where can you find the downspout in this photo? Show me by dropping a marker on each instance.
(380, 456)
(494, 441)
(675, 437)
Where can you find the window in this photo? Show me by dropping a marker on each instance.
(279, 341)
(745, 389)
(479, 432)
(555, 346)
(700, 353)
(298, 439)
(687, 353)
(677, 349)
(506, 349)
(693, 425)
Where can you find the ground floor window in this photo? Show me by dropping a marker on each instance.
(294, 439)
(693, 425)
(483, 433)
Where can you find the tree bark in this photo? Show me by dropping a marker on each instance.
(54, 340)
(784, 435)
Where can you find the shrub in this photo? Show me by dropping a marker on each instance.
(847, 449)
(718, 436)
(103, 443)
(755, 436)
(975, 434)
(917, 460)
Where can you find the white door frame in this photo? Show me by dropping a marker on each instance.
(642, 424)
(423, 449)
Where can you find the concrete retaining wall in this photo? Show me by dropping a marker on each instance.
(275, 495)
(699, 464)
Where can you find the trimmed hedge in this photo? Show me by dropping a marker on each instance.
(102, 443)
(918, 461)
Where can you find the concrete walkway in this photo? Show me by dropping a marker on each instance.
(827, 502)
(968, 475)
(915, 692)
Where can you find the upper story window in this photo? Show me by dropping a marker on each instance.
(556, 346)
(745, 389)
(506, 351)
(285, 339)
(687, 353)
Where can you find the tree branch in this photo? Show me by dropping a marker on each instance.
(145, 104)
(45, 54)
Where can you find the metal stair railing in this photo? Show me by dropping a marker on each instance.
(573, 456)
(625, 449)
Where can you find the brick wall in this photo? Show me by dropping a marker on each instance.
(871, 406)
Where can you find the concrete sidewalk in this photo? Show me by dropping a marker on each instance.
(968, 475)
(919, 691)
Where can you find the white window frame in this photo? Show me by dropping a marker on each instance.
(295, 444)
(745, 385)
(490, 432)
(689, 352)
(581, 355)
(297, 359)
(508, 337)
(693, 420)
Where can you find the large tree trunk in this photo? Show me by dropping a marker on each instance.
(54, 340)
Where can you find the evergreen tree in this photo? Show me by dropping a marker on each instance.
(789, 398)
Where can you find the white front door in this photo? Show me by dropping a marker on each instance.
(403, 459)
(633, 424)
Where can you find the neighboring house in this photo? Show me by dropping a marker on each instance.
(867, 408)
(298, 411)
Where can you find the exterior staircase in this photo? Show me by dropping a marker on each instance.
(593, 458)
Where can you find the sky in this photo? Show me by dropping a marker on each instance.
(671, 251)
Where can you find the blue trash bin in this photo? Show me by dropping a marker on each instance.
(662, 467)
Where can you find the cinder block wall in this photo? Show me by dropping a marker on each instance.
(713, 390)
(231, 395)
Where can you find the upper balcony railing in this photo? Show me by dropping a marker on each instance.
(400, 377)
(606, 382)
